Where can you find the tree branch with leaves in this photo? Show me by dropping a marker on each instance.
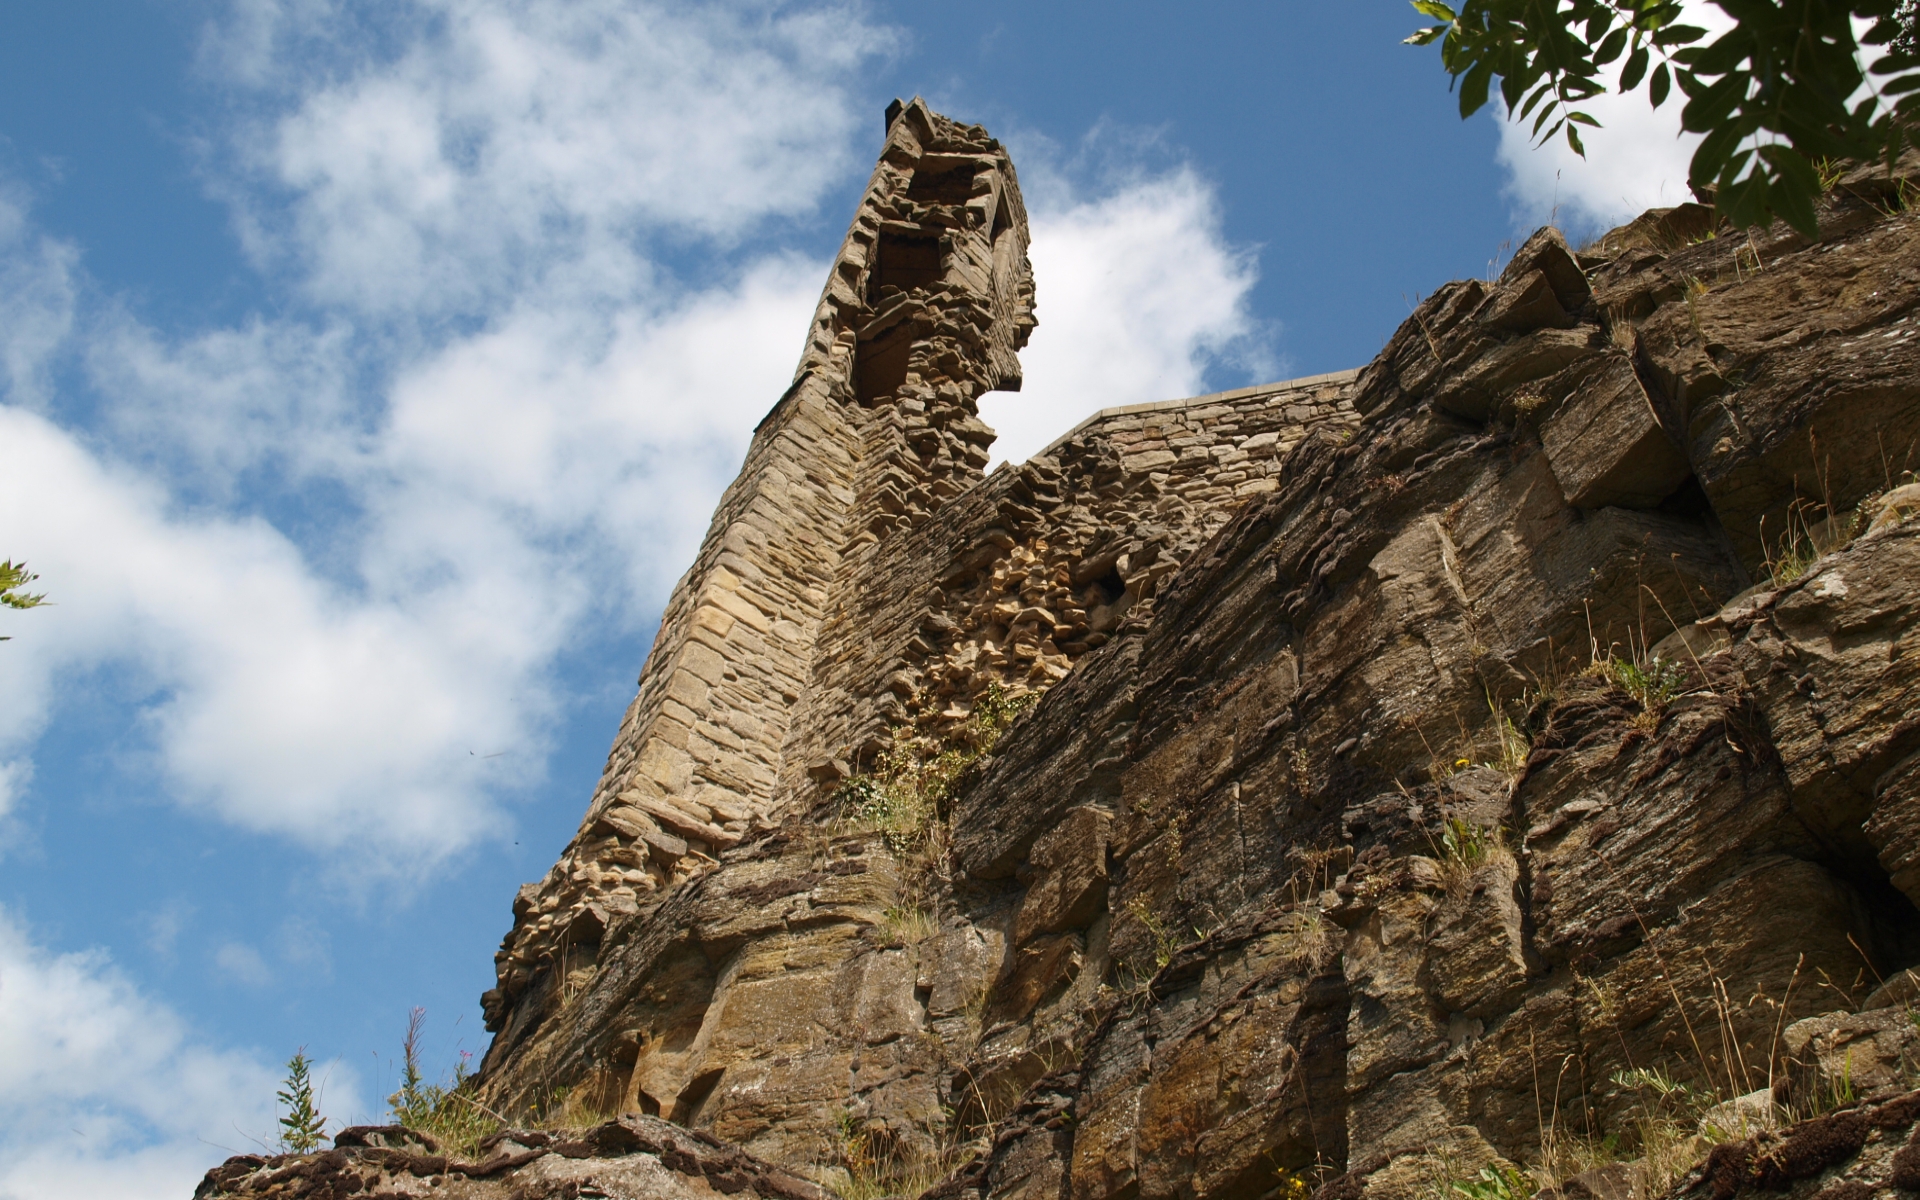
(1789, 88)
(14, 577)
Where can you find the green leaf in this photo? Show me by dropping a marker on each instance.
(1473, 89)
(1708, 111)
(1613, 47)
(1526, 110)
(1635, 70)
(1424, 37)
(1434, 9)
(1583, 119)
(1573, 140)
(1678, 35)
(1796, 187)
(1658, 86)
(1710, 158)
(1744, 201)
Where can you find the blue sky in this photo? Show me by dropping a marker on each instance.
(367, 375)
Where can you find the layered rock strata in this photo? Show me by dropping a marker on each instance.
(1425, 759)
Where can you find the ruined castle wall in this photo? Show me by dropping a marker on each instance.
(1012, 582)
(927, 303)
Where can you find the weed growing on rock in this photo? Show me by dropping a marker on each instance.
(446, 1110)
(1165, 940)
(1291, 1186)
(1665, 1127)
(1495, 1182)
(1797, 549)
(1465, 844)
(1513, 743)
(1652, 684)
(909, 785)
(908, 925)
(1300, 772)
(876, 1165)
(302, 1128)
(1308, 939)
(569, 1108)
(1466, 847)
(1696, 288)
(905, 794)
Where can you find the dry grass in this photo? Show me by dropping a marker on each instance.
(909, 926)
(872, 1164)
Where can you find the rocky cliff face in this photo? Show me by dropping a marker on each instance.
(1503, 754)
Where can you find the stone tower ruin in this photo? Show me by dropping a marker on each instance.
(927, 305)
(861, 575)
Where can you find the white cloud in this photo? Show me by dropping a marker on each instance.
(165, 924)
(243, 964)
(37, 297)
(340, 563)
(104, 1091)
(1636, 160)
(343, 559)
(513, 143)
(560, 467)
(1138, 294)
(14, 777)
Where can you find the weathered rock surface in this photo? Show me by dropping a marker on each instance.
(1433, 765)
(633, 1158)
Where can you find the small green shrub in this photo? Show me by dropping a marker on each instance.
(1466, 845)
(1495, 1183)
(910, 783)
(1652, 684)
(1165, 939)
(302, 1129)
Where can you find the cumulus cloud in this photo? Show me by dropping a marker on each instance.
(1636, 160)
(14, 777)
(514, 143)
(522, 480)
(336, 553)
(37, 299)
(105, 1091)
(342, 560)
(1139, 293)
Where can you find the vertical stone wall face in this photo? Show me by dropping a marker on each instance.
(929, 300)
(1013, 582)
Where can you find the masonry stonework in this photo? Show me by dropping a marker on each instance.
(1418, 760)
(927, 304)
